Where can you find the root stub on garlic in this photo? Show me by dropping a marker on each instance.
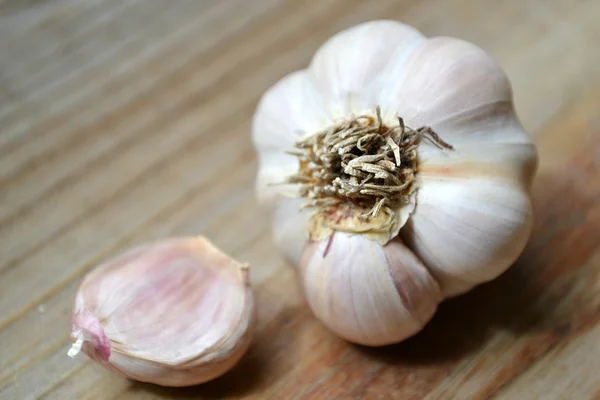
(357, 170)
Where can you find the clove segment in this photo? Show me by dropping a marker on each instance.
(176, 312)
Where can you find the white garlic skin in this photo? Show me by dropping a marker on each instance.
(176, 312)
(367, 293)
(473, 213)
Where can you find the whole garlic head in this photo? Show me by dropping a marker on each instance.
(397, 174)
(176, 312)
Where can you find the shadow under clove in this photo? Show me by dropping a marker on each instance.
(242, 379)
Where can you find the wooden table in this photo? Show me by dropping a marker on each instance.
(126, 121)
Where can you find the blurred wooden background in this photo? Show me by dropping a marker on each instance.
(126, 121)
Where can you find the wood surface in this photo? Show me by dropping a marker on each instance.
(127, 121)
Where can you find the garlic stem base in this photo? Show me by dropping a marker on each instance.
(358, 173)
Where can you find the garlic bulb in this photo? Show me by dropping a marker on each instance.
(397, 175)
(176, 312)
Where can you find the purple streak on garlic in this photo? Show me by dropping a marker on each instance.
(396, 173)
(176, 312)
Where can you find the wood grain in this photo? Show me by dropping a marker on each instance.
(127, 121)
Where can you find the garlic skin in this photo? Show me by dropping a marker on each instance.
(355, 278)
(469, 217)
(176, 312)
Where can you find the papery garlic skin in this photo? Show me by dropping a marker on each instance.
(176, 312)
(472, 214)
(367, 293)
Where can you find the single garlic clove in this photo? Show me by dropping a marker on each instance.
(348, 68)
(274, 133)
(366, 293)
(176, 312)
(462, 224)
(512, 162)
(290, 229)
(445, 81)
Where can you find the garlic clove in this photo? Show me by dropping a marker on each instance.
(286, 111)
(513, 162)
(175, 312)
(289, 110)
(468, 231)
(272, 170)
(348, 66)
(453, 86)
(366, 293)
(290, 229)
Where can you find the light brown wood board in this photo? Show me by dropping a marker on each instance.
(127, 121)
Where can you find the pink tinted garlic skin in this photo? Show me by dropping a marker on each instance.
(175, 312)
